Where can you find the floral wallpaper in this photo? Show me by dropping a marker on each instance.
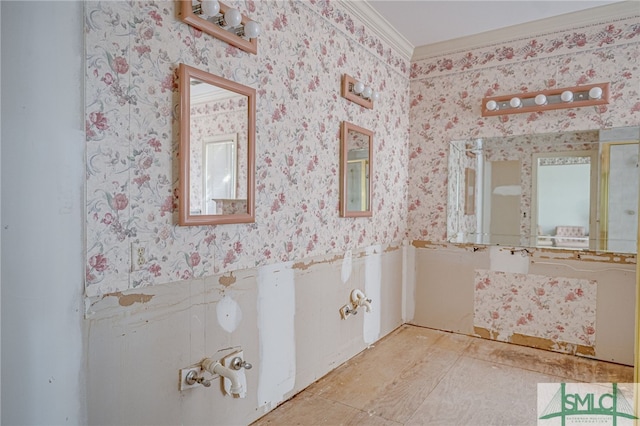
(446, 93)
(562, 310)
(132, 50)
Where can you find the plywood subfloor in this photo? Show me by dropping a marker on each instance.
(420, 376)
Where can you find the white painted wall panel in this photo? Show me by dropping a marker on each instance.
(42, 213)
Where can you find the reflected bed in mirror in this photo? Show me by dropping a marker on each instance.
(356, 157)
(574, 190)
(217, 144)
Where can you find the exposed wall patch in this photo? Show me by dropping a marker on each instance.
(408, 282)
(503, 260)
(302, 266)
(130, 299)
(276, 307)
(227, 281)
(537, 342)
(372, 288)
(347, 266)
(229, 314)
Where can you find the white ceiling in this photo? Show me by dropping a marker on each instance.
(424, 22)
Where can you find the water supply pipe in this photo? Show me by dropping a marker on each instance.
(214, 367)
(358, 298)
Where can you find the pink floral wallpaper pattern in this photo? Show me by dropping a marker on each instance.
(562, 310)
(446, 94)
(132, 50)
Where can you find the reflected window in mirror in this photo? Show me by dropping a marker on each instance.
(563, 206)
(219, 176)
(356, 168)
(217, 149)
(547, 190)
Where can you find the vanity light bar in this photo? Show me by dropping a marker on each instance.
(220, 15)
(222, 22)
(570, 97)
(358, 92)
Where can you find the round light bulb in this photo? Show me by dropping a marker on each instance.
(515, 103)
(540, 100)
(358, 87)
(492, 105)
(595, 93)
(375, 96)
(566, 96)
(210, 7)
(366, 93)
(232, 17)
(252, 29)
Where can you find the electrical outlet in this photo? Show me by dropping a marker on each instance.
(183, 377)
(139, 256)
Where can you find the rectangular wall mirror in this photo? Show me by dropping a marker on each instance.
(356, 168)
(573, 190)
(217, 149)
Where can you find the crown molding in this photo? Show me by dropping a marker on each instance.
(376, 23)
(600, 14)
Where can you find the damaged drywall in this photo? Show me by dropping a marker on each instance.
(276, 306)
(372, 289)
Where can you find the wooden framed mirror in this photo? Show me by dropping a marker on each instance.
(356, 169)
(217, 149)
(191, 12)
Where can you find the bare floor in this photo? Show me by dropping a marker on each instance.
(420, 376)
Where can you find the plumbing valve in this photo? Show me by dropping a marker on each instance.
(192, 378)
(237, 363)
(358, 299)
(347, 310)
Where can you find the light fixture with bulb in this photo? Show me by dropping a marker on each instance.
(223, 22)
(570, 97)
(540, 99)
(358, 92)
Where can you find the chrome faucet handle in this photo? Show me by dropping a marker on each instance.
(204, 382)
(192, 378)
(237, 363)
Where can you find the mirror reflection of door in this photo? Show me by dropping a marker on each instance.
(619, 197)
(357, 183)
(503, 180)
(563, 204)
(218, 130)
(219, 171)
(357, 171)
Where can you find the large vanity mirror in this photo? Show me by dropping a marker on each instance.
(572, 190)
(217, 149)
(356, 157)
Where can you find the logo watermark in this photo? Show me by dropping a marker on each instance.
(586, 404)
